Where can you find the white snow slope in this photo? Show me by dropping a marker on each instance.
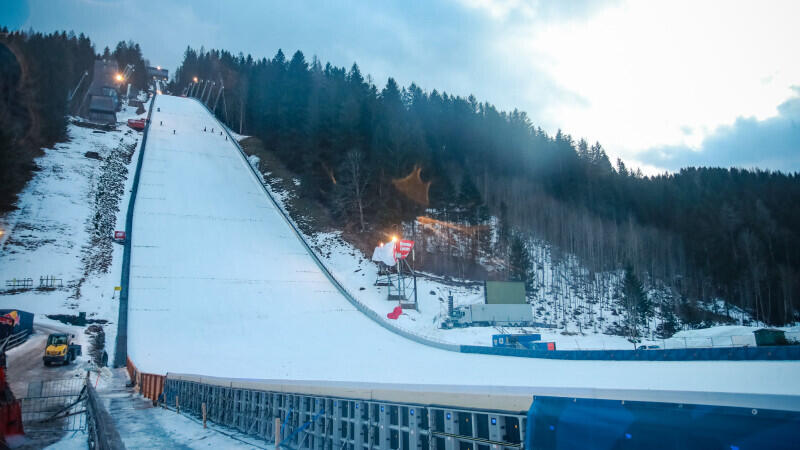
(221, 286)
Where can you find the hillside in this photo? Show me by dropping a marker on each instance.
(584, 308)
(376, 158)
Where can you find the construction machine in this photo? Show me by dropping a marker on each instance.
(60, 349)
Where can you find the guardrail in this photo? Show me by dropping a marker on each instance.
(121, 348)
(17, 339)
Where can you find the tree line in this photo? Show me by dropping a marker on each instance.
(38, 73)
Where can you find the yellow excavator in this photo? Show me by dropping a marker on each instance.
(60, 349)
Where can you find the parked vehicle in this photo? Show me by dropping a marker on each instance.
(488, 315)
(137, 124)
(60, 349)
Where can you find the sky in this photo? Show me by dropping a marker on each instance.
(662, 85)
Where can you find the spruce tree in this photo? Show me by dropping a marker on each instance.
(519, 260)
(634, 301)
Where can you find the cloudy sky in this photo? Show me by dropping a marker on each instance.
(660, 84)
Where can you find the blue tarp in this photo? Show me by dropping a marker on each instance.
(567, 423)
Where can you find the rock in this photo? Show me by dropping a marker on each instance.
(93, 155)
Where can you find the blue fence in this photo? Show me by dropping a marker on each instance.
(121, 349)
(579, 423)
(782, 353)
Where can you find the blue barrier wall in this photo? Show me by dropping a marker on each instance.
(121, 348)
(782, 353)
(577, 423)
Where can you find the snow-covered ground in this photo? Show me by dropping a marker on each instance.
(220, 286)
(59, 229)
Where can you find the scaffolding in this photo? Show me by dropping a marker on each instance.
(331, 423)
(399, 279)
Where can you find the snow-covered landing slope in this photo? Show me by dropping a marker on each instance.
(221, 286)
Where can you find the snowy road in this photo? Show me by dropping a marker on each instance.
(220, 286)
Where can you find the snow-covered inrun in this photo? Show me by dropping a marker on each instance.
(221, 286)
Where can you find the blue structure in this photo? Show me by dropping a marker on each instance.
(515, 340)
(579, 423)
(25, 320)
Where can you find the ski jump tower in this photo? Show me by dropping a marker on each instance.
(396, 273)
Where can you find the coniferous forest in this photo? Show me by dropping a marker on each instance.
(38, 72)
(705, 232)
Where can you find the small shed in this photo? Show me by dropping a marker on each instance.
(770, 336)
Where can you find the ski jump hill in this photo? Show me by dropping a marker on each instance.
(222, 286)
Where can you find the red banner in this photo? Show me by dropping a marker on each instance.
(120, 235)
(403, 248)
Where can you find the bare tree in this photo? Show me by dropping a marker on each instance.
(355, 180)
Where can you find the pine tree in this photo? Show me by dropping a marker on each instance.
(669, 320)
(519, 261)
(635, 304)
(469, 200)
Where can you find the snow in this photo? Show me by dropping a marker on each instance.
(50, 234)
(220, 286)
(148, 426)
(72, 440)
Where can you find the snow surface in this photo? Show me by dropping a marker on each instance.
(50, 232)
(221, 286)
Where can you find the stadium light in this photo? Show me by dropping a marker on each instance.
(119, 77)
(158, 67)
(394, 238)
(195, 79)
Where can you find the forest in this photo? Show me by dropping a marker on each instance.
(38, 72)
(379, 156)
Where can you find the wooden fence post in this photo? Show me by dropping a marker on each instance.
(204, 414)
(277, 432)
(177, 405)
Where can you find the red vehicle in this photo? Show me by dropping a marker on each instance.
(137, 124)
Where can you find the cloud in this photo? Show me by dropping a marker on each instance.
(772, 143)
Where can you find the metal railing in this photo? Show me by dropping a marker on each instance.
(54, 405)
(17, 339)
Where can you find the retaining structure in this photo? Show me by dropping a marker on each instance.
(121, 348)
(374, 416)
